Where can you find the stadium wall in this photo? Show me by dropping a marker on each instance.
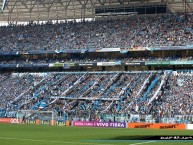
(172, 126)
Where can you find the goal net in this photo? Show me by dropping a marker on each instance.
(36, 117)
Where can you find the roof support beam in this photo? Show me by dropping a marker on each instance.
(25, 4)
(169, 7)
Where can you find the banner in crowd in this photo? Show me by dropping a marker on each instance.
(137, 48)
(9, 53)
(100, 124)
(25, 65)
(56, 64)
(123, 51)
(9, 120)
(105, 63)
(108, 49)
(118, 63)
(7, 65)
(68, 65)
(85, 64)
(40, 65)
(70, 51)
(181, 62)
(169, 63)
(61, 64)
(170, 48)
(157, 63)
(82, 50)
(91, 50)
(34, 52)
(157, 125)
(133, 63)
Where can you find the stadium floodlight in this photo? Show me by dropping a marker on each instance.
(3, 5)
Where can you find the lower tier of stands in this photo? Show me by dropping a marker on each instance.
(79, 94)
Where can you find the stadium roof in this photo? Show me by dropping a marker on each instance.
(43, 10)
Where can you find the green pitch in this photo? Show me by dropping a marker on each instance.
(60, 135)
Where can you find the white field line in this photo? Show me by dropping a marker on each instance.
(142, 143)
(49, 141)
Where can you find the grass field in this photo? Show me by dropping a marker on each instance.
(59, 135)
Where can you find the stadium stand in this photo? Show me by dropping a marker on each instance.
(161, 93)
(104, 69)
(125, 59)
(149, 31)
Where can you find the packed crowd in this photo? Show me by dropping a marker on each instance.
(91, 60)
(169, 30)
(156, 93)
(178, 96)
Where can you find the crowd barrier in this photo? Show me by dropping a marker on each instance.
(100, 124)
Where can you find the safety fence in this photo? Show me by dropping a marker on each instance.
(177, 126)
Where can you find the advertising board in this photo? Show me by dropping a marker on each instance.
(9, 120)
(157, 126)
(100, 124)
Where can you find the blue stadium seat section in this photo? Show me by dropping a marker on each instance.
(87, 93)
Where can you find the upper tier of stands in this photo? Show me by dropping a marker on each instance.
(150, 31)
